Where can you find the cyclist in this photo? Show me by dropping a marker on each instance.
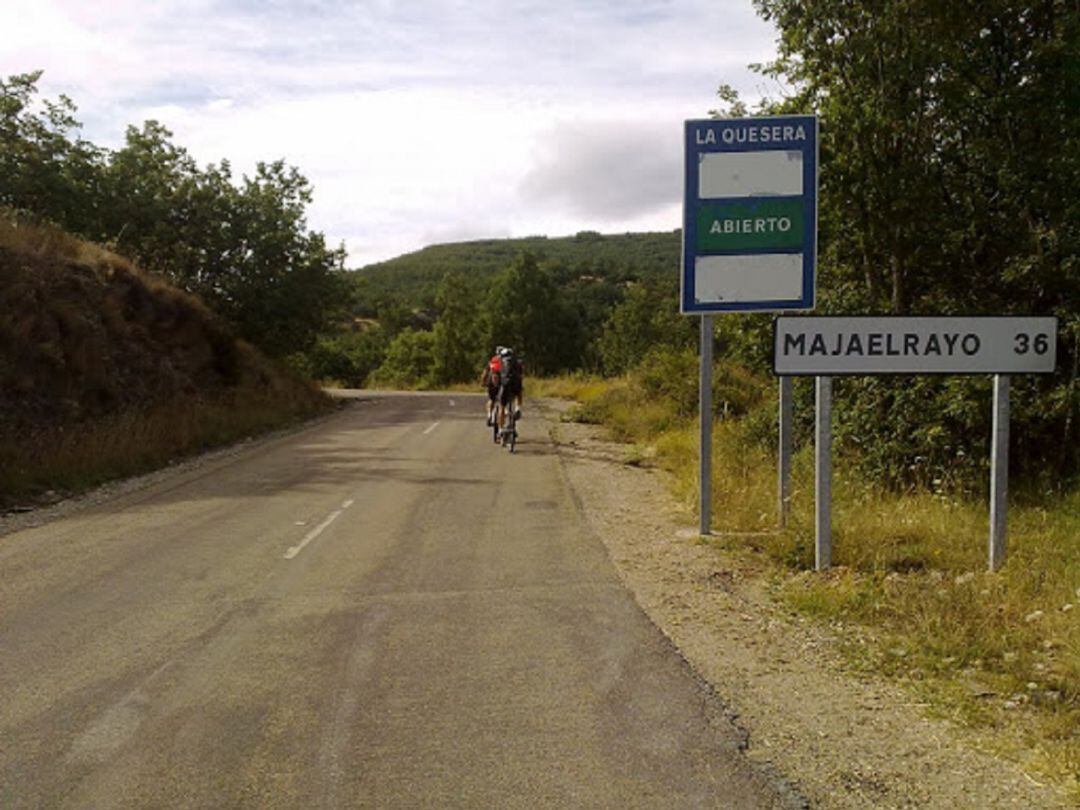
(491, 378)
(511, 388)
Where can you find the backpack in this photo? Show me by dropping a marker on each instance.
(513, 371)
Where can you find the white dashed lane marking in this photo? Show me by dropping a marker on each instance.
(292, 552)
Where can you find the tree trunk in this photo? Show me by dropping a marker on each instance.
(898, 291)
(1070, 408)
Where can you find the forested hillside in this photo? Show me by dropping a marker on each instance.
(414, 277)
(588, 302)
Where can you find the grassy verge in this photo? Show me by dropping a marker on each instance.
(74, 457)
(999, 652)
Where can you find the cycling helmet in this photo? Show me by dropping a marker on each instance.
(506, 351)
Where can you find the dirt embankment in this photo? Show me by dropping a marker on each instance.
(85, 333)
(845, 739)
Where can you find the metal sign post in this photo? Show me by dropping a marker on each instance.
(705, 412)
(999, 471)
(784, 452)
(824, 346)
(823, 474)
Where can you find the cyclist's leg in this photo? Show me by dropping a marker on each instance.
(504, 403)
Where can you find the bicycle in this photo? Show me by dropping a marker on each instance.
(509, 396)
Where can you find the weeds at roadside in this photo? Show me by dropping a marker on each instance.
(73, 458)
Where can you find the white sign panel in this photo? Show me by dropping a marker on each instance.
(776, 277)
(750, 174)
(917, 345)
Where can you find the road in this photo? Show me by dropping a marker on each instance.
(380, 610)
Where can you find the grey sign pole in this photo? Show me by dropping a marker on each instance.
(705, 411)
(823, 474)
(784, 467)
(999, 471)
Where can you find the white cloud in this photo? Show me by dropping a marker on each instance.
(607, 171)
(415, 122)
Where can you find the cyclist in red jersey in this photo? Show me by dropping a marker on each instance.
(491, 379)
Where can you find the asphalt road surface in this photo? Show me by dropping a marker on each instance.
(381, 610)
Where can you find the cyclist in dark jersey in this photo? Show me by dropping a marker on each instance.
(511, 389)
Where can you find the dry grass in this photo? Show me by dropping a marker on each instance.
(42, 240)
(909, 590)
(579, 387)
(996, 650)
(73, 458)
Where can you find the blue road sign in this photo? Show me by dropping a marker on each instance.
(750, 214)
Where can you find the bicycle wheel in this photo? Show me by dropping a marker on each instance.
(495, 431)
(513, 433)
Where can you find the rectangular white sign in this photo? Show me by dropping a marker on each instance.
(914, 345)
(767, 277)
(750, 174)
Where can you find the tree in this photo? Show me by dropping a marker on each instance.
(348, 358)
(456, 348)
(950, 183)
(244, 248)
(408, 361)
(279, 282)
(947, 170)
(525, 310)
(148, 212)
(45, 169)
(646, 319)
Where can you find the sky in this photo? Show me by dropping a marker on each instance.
(416, 122)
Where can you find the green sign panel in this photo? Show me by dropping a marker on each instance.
(750, 224)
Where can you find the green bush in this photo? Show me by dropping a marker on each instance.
(670, 375)
(409, 361)
(348, 358)
(647, 319)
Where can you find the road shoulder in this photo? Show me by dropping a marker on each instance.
(843, 738)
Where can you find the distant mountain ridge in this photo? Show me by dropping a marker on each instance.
(614, 257)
